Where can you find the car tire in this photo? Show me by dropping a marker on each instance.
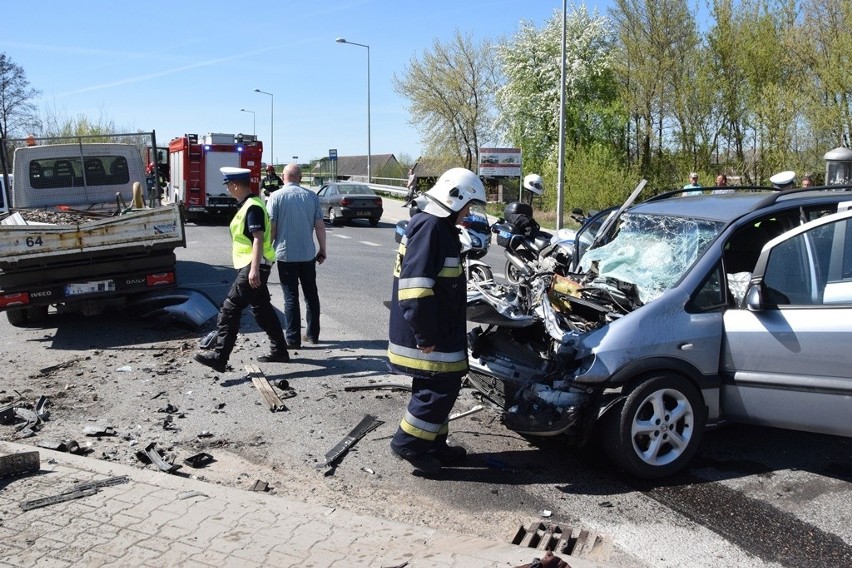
(656, 430)
(333, 219)
(479, 273)
(18, 318)
(374, 222)
(37, 314)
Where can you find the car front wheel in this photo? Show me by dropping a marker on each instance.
(657, 429)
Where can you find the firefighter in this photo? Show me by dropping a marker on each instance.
(427, 331)
(253, 257)
(272, 182)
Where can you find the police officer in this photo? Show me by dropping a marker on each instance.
(253, 257)
(783, 180)
(427, 331)
(271, 182)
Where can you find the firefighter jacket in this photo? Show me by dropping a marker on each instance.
(429, 301)
(271, 183)
(241, 237)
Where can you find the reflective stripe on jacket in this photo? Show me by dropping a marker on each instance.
(241, 252)
(429, 299)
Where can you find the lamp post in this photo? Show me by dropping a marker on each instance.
(253, 122)
(271, 125)
(369, 156)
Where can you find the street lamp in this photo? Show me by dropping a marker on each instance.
(342, 40)
(253, 122)
(271, 125)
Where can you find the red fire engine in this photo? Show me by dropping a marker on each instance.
(196, 181)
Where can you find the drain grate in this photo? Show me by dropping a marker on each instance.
(561, 540)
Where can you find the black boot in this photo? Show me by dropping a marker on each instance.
(210, 359)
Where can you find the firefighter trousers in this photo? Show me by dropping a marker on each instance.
(425, 425)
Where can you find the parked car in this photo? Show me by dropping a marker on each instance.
(344, 201)
(690, 312)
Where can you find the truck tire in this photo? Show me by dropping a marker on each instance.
(18, 318)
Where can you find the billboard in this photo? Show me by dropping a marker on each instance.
(500, 162)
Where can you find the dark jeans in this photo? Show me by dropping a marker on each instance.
(241, 296)
(291, 275)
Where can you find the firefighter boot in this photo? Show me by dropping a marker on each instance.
(425, 463)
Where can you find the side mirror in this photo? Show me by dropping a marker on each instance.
(754, 298)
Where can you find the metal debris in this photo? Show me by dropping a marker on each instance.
(269, 395)
(79, 490)
(378, 386)
(199, 460)
(473, 410)
(99, 431)
(191, 494)
(70, 446)
(7, 414)
(259, 486)
(367, 424)
(155, 458)
(41, 408)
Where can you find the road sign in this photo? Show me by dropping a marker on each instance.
(332, 154)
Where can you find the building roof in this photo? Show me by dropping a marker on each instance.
(349, 166)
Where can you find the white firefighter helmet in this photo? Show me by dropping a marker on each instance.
(454, 189)
(534, 183)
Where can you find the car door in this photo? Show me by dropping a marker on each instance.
(323, 194)
(785, 356)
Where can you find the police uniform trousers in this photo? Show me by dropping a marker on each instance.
(425, 425)
(241, 296)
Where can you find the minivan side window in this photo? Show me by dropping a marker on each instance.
(813, 268)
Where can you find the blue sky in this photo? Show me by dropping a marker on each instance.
(184, 66)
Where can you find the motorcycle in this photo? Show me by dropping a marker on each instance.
(528, 249)
(475, 238)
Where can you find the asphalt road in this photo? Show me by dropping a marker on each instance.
(752, 497)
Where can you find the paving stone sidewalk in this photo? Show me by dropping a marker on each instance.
(156, 520)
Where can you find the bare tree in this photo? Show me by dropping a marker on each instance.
(17, 111)
(451, 94)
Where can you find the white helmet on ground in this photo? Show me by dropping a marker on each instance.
(454, 189)
(534, 183)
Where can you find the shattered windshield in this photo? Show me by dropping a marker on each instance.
(651, 252)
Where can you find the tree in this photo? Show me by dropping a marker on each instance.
(529, 100)
(450, 90)
(17, 112)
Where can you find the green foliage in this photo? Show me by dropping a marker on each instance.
(17, 112)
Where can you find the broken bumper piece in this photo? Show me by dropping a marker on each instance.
(182, 305)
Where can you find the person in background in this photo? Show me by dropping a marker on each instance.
(412, 187)
(271, 181)
(296, 215)
(692, 185)
(427, 332)
(722, 185)
(253, 257)
(807, 181)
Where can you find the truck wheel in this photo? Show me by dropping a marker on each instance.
(18, 318)
(37, 314)
(657, 429)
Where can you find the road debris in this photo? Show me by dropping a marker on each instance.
(201, 459)
(259, 486)
(269, 395)
(473, 410)
(378, 386)
(190, 494)
(70, 446)
(151, 455)
(98, 431)
(76, 492)
(367, 424)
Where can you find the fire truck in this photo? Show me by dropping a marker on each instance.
(196, 182)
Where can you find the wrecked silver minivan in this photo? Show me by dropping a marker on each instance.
(684, 313)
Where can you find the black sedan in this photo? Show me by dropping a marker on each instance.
(344, 201)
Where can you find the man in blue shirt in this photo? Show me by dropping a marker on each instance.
(295, 215)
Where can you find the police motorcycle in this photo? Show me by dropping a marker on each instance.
(475, 238)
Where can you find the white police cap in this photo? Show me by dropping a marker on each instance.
(783, 179)
(235, 174)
